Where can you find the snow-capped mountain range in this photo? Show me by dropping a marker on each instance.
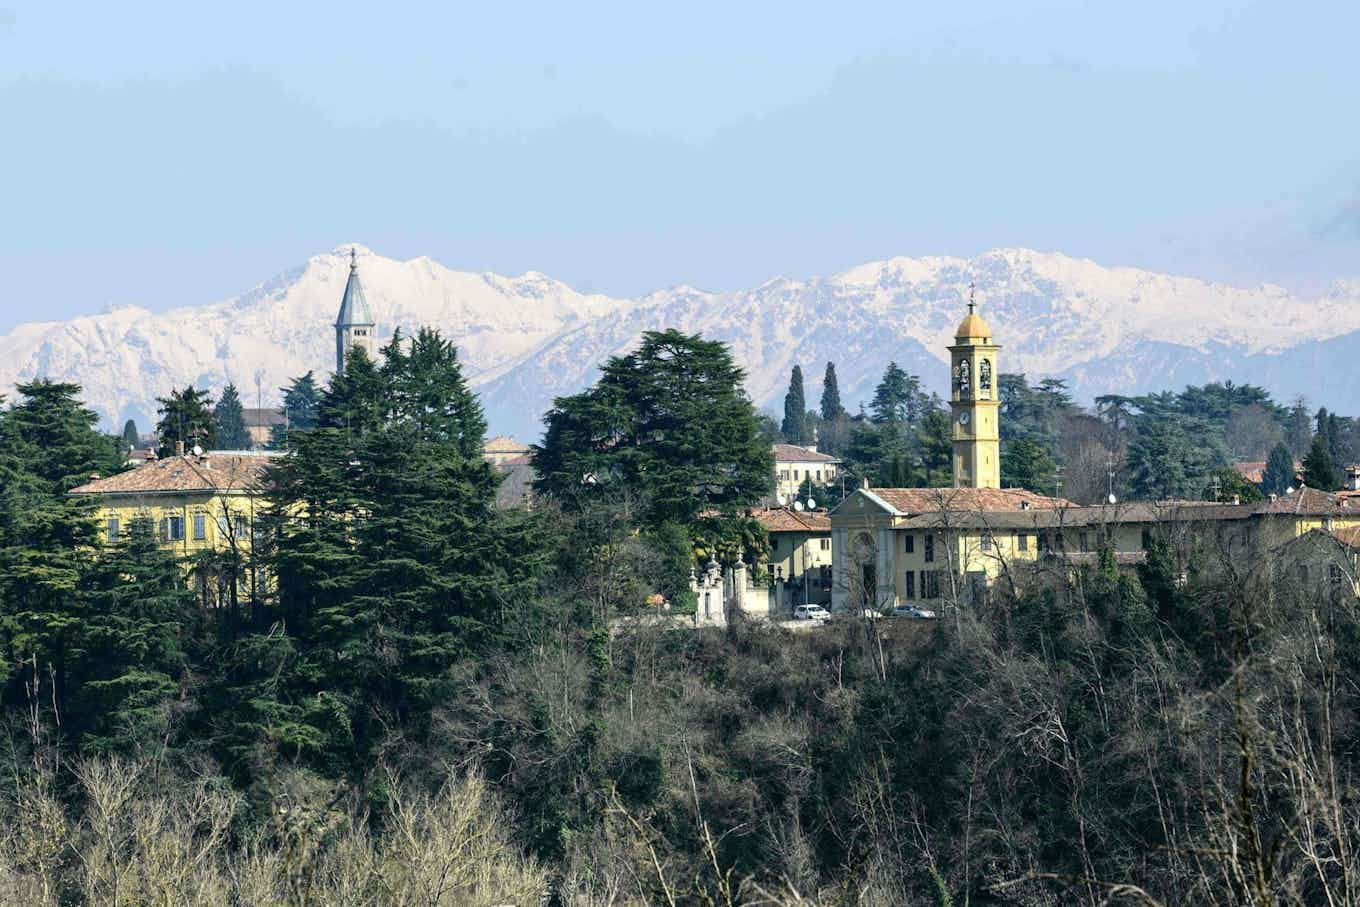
(527, 339)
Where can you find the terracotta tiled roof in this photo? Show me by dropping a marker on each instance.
(521, 460)
(792, 453)
(503, 444)
(213, 472)
(928, 500)
(1309, 502)
(778, 519)
(1349, 537)
(1255, 470)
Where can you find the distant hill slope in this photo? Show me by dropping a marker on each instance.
(528, 338)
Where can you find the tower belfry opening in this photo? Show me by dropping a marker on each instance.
(354, 324)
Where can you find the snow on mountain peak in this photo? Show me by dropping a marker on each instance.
(525, 339)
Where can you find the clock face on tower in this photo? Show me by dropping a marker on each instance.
(963, 417)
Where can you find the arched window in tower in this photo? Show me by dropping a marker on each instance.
(985, 379)
(965, 382)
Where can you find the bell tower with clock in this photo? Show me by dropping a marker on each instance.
(973, 403)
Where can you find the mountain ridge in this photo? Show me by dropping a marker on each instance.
(528, 338)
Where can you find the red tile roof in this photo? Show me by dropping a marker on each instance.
(792, 453)
(779, 519)
(1307, 501)
(927, 500)
(210, 472)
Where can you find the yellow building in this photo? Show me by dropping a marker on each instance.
(198, 503)
(800, 552)
(794, 465)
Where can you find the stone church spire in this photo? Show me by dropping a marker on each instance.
(354, 325)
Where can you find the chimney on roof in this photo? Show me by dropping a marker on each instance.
(179, 448)
(864, 483)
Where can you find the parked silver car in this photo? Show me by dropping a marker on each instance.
(913, 612)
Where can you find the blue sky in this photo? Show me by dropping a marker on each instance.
(164, 154)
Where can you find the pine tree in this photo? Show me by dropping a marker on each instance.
(130, 436)
(831, 395)
(891, 396)
(795, 409)
(229, 424)
(1279, 473)
(1319, 469)
(186, 418)
(126, 658)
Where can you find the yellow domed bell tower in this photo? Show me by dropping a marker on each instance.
(973, 403)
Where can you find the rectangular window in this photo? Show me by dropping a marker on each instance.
(795, 475)
(1147, 539)
(112, 529)
(909, 541)
(1022, 541)
(172, 529)
(986, 542)
(200, 527)
(242, 526)
(819, 475)
(930, 549)
(826, 544)
(909, 585)
(930, 584)
(1083, 541)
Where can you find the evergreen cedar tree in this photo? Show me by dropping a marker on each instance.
(48, 445)
(794, 427)
(229, 422)
(301, 401)
(130, 437)
(668, 425)
(1026, 464)
(186, 416)
(391, 562)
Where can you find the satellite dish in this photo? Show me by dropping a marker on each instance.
(798, 506)
(1112, 500)
(783, 501)
(812, 505)
(1289, 490)
(198, 451)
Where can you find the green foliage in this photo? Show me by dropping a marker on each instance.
(126, 658)
(48, 445)
(831, 408)
(130, 436)
(301, 403)
(1279, 473)
(898, 398)
(186, 418)
(1227, 486)
(667, 427)
(229, 424)
(1319, 469)
(1026, 464)
(795, 426)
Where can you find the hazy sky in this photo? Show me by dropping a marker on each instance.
(167, 153)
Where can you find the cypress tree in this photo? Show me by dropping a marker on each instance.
(229, 424)
(831, 395)
(1279, 473)
(130, 436)
(186, 417)
(794, 427)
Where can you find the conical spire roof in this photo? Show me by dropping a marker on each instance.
(354, 307)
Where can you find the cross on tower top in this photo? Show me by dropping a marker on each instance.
(972, 290)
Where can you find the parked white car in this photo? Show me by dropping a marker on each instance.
(913, 612)
(811, 612)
